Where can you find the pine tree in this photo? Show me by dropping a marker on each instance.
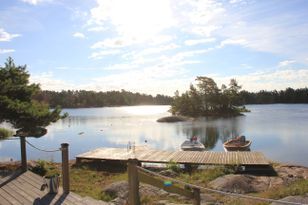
(16, 100)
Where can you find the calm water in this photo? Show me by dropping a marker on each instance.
(279, 131)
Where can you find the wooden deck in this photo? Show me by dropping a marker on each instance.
(146, 154)
(25, 188)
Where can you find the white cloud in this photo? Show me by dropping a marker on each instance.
(113, 43)
(239, 41)
(48, 82)
(205, 30)
(3, 51)
(119, 42)
(101, 54)
(134, 18)
(5, 36)
(139, 56)
(271, 80)
(79, 35)
(286, 63)
(97, 28)
(194, 42)
(35, 2)
(237, 1)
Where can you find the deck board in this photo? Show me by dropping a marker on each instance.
(25, 189)
(146, 154)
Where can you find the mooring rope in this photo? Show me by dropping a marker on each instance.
(218, 191)
(42, 150)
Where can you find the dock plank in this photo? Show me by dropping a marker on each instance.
(185, 157)
(24, 189)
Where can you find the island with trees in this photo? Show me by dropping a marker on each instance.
(208, 100)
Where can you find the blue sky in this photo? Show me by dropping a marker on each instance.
(157, 46)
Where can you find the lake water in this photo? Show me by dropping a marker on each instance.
(279, 131)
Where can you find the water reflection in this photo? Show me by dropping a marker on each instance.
(210, 130)
(272, 129)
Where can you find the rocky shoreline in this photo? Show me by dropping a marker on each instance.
(242, 183)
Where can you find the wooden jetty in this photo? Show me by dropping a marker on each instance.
(149, 155)
(25, 189)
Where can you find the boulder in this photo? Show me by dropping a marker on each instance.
(117, 189)
(245, 183)
(289, 172)
(172, 118)
(295, 199)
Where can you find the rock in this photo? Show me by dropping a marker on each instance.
(291, 173)
(117, 189)
(207, 198)
(169, 173)
(296, 199)
(245, 183)
(172, 118)
(233, 183)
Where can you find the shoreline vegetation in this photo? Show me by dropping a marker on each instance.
(206, 99)
(90, 99)
(107, 181)
(5, 133)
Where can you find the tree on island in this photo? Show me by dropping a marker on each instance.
(207, 99)
(17, 104)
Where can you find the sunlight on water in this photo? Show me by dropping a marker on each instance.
(145, 110)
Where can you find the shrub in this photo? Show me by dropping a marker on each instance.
(5, 133)
(173, 166)
(44, 168)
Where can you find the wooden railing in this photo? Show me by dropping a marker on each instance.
(137, 174)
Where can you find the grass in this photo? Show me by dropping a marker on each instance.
(298, 187)
(5, 133)
(86, 180)
(46, 168)
(89, 179)
(207, 175)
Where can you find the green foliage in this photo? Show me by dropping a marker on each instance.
(88, 182)
(16, 99)
(173, 166)
(5, 133)
(45, 168)
(207, 99)
(299, 187)
(204, 176)
(82, 98)
(106, 196)
(288, 95)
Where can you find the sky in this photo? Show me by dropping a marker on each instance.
(157, 46)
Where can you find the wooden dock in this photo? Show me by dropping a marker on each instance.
(25, 189)
(149, 155)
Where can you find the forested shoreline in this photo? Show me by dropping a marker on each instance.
(287, 96)
(84, 99)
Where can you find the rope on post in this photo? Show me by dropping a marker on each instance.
(42, 150)
(220, 192)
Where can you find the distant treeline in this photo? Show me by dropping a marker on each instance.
(82, 98)
(288, 95)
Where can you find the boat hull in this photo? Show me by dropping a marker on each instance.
(244, 146)
(192, 146)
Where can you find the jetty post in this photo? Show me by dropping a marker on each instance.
(23, 152)
(133, 182)
(65, 168)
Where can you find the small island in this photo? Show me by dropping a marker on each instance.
(208, 100)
